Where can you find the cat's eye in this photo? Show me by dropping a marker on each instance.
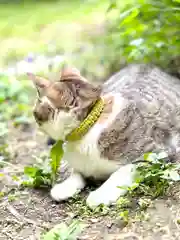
(38, 93)
(39, 100)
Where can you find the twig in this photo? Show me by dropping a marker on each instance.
(131, 235)
(15, 213)
(8, 163)
(8, 235)
(21, 219)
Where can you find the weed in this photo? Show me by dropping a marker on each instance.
(44, 171)
(64, 232)
(123, 202)
(3, 129)
(13, 103)
(4, 153)
(56, 156)
(39, 174)
(154, 175)
(141, 216)
(125, 216)
(144, 203)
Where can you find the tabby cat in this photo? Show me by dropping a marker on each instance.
(106, 128)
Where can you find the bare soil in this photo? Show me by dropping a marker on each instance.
(27, 213)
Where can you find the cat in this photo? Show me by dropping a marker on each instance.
(139, 112)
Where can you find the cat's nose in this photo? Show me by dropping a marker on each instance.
(42, 113)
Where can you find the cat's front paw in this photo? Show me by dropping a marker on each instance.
(62, 192)
(99, 197)
(68, 188)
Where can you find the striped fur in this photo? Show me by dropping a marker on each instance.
(150, 120)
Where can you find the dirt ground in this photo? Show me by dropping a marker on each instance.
(27, 213)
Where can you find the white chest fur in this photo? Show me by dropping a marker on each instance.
(84, 156)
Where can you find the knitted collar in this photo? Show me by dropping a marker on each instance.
(79, 132)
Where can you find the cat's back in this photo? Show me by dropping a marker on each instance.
(150, 115)
(139, 82)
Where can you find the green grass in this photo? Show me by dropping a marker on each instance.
(24, 19)
(31, 26)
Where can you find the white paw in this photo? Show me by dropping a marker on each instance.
(68, 188)
(62, 192)
(109, 192)
(100, 196)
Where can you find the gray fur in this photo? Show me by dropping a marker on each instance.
(151, 119)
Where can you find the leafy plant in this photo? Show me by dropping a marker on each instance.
(56, 156)
(4, 153)
(36, 176)
(64, 232)
(125, 216)
(3, 129)
(12, 89)
(154, 175)
(141, 31)
(13, 102)
(43, 173)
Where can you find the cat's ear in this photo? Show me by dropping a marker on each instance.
(81, 88)
(39, 82)
(68, 72)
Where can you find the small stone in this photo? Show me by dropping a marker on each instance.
(121, 223)
(71, 215)
(109, 225)
(94, 220)
(158, 224)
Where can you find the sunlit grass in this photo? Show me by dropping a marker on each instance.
(32, 26)
(25, 19)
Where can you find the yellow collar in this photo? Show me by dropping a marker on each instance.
(88, 122)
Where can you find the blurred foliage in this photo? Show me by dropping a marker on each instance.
(23, 1)
(141, 31)
(14, 98)
(134, 31)
(52, 27)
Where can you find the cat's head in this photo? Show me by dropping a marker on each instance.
(62, 105)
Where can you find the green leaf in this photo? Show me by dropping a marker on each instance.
(56, 156)
(113, 5)
(64, 232)
(171, 175)
(162, 155)
(51, 235)
(125, 215)
(129, 16)
(75, 229)
(30, 171)
(123, 187)
(150, 157)
(43, 173)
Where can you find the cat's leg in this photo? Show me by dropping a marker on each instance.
(68, 188)
(108, 193)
